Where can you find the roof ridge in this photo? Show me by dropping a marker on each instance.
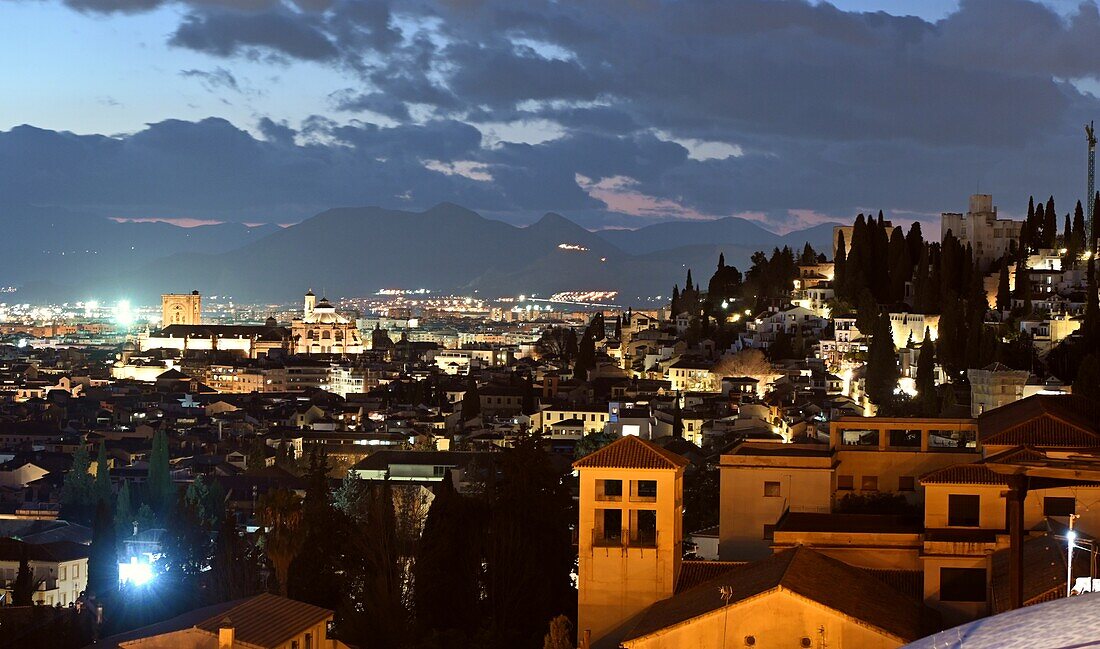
(630, 452)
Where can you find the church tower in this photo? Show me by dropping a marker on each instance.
(311, 302)
(181, 308)
(630, 536)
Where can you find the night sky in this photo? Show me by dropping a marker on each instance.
(612, 113)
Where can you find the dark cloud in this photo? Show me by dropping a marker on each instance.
(227, 33)
(218, 78)
(825, 110)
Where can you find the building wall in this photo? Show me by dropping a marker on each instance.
(615, 583)
(777, 618)
(745, 510)
(185, 308)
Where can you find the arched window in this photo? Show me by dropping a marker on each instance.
(326, 334)
(311, 335)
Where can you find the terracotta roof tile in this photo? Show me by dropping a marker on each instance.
(834, 584)
(631, 452)
(965, 474)
(1042, 420)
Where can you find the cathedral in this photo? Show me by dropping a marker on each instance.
(321, 330)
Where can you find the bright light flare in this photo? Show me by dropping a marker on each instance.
(124, 313)
(135, 572)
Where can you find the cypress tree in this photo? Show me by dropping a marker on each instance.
(882, 369)
(78, 488)
(901, 268)
(675, 308)
(1078, 232)
(162, 491)
(1087, 382)
(448, 564)
(1050, 226)
(103, 554)
(103, 491)
(22, 589)
(1038, 231)
(921, 281)
(952, 330)
(915, 240)
(124, 511)
(1004, 293)
(925, 379)
(471, 401)
(840, 264)
(586, 357)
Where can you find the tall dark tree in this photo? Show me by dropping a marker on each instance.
(124, 511)
(471, 401)
(927, 399)
(103, 554)
(1004, 291)
(1050, 225)
(103, 491)
(586, 356)
(901, 268)
(882, 374)
(161, 489)
(1087, 382)
(22, 589)
(840, 265)
(530, 555)
(448, 564)
(78, 488)
(950, 346)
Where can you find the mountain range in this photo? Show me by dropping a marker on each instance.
(357, 251)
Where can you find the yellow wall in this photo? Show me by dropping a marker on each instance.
(778, 618)
(617, 583)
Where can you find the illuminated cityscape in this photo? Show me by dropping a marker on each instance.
(611, 325)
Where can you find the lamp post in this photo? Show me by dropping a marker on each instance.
(1071, 537)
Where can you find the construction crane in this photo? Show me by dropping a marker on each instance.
(1090, 228)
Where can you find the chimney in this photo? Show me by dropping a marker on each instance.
(226, 634)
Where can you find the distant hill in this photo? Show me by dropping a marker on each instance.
(57, 246)
(725, 231)
(357, 251)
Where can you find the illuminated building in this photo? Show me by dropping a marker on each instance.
(62, 566)
(181, 309)
(321, 330)
(990, 237)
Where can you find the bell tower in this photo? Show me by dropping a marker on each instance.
(311, 302)
(630, 536)
(181, 308)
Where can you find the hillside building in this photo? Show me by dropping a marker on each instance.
(989, 236)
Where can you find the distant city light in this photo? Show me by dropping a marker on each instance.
(124, 313)
(572, 246)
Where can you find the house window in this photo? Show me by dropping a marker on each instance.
(907, 483)
(771, 490)
(963, 510)
(769, 532)
(610, 524)
(644, 490)
(643, 528)
(868, 483)
(845, 483)
(609, 490)
(962, 584)
(1058, 506)
(309, 641)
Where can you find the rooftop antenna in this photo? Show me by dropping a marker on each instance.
(1090, 228)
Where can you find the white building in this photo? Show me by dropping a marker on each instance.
(321, 330)
(989, 236)
(62, 568)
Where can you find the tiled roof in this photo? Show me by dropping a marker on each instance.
(693, 573)
(1042, 420)
(57, 551)
(1044, 570)
(965, 474)
(631, 452)
(851, 591)
(263, 620)
(268, 620)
